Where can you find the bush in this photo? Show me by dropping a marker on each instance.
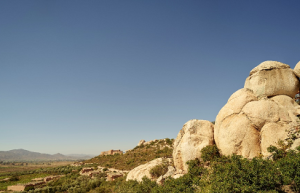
(14, 178)
(195, 168)
(242, 175)
(289, 165)
(210, 153)
(182, 184)
(129, 161)
(169, 141)
(29, 188)
(159, 170)
(281, 151)
(133, 186)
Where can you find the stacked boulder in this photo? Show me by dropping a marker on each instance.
(254, 118)
(261, 113)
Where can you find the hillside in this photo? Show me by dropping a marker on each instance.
(25, 155)
(139, 155)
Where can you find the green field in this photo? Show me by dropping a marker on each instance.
(19, 167)
(22, 179)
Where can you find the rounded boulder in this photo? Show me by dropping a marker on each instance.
(192, 138)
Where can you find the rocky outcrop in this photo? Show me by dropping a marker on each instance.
(144, 170)
(260, 114)
(161, 142)
(194, 135)
(141, 142)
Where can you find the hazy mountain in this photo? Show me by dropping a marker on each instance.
(25, 155)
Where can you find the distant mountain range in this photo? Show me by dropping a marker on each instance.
(25, 155)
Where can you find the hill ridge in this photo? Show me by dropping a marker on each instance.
(26, 155)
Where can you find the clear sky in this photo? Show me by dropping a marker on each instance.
(89, 76)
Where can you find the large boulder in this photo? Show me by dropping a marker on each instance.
(260, 114)
(195, 135)
(269, 65)
(144, 170)
(270, 134)
(272, 78)
(237, 135)
(234, 106)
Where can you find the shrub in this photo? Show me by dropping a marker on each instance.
(169, 141)
(242, 175)
(14, 178)
(159, 170)
(130, 161)
(182, 184)
(289, 165)
(210, 153)
(195, 168)
(281, 151)
(133, 186)
(29, 188)
(141, 146)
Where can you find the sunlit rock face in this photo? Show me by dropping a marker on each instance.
(144, 170)
(272, 78)
(194, 135)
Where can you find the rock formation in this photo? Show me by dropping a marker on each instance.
(144, 170)
(141, 142)
(194, 135)
(254, 117)
(155, 142)
(261, 113)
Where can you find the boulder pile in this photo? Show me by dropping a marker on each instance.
(261, 113)
(254, 118)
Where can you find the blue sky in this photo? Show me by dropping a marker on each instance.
(89, 76)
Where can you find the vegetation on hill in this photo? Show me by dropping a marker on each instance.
(214, 173)
(222, 174)
(137, 156)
